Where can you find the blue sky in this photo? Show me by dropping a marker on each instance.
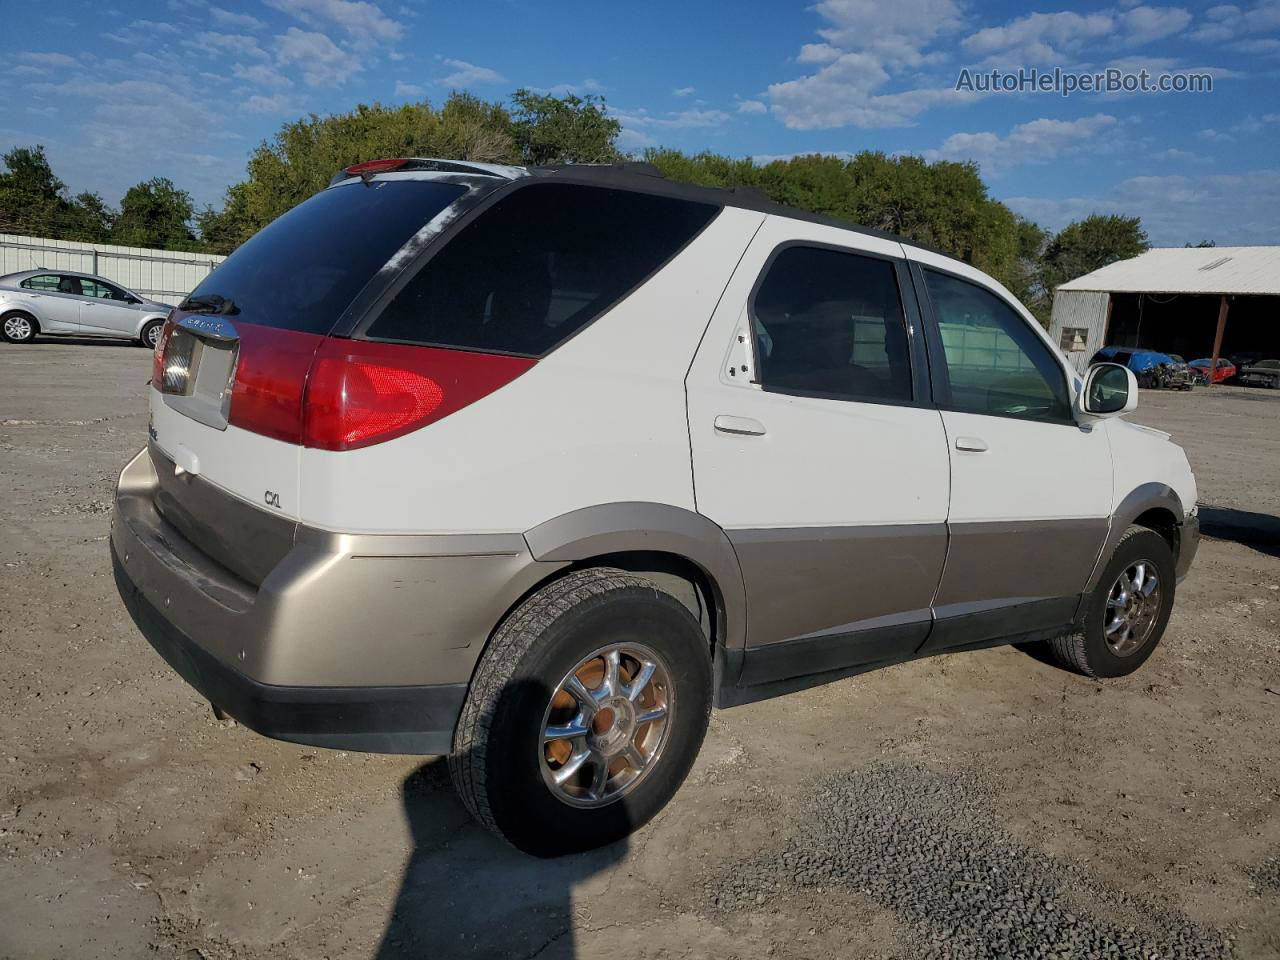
(186, 88)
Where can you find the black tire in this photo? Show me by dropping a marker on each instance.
(1088, 652)
(144, 337)
(496, 762)
(32, 327)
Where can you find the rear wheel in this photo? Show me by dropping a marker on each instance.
(584, 715)
(1128, 611)
(150, 335)
(18, 327)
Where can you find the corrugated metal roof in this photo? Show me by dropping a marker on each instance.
(1189, 270)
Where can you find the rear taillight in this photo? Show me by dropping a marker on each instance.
(157, 358)
(335, 394)
(361, 393)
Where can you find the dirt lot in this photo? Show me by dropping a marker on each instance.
(984, 804)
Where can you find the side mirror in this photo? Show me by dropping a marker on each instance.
(1109, 391)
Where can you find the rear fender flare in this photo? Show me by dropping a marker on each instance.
(652, 528)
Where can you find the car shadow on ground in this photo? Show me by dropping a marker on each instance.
(464, 892)
(1261, 531)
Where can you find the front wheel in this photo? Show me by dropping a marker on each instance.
(584, 715)
(1128, 611)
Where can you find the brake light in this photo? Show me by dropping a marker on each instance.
(375, 166)
(360, 393)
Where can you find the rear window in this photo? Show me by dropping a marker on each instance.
(537, 267)
(302, 270)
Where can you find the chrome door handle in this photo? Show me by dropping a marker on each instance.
(971, 444)
(739, 426)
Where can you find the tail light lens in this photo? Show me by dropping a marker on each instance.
(334, 394)
(271, 379)
(362, 393)
(157, 357)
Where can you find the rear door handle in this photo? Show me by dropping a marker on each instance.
(971, 444)
(740, 426)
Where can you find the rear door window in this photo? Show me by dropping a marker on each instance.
(303, 270)
(46, 281)
(538, 266)
(830, 324)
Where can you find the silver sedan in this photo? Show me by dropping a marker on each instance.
(64, 303)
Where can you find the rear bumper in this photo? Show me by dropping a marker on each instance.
(356, 642)
(373, 719)
(1188, 544)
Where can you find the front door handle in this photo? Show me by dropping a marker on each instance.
(740, 426)
(971, 444)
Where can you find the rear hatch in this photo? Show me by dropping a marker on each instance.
(233, 363)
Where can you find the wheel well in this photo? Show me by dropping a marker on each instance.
(1163, 522)
(679, 576)
(35, 323)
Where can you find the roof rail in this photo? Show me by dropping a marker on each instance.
(639, 168)
(371, 167)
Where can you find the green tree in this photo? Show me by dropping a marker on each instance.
(567, 129)
(155, 213)
(88, 218)
(943, 205)
(32, 199)
(1086, 245)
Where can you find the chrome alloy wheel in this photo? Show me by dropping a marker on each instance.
(606, 725)
(153, 334)
(1133, 606)
(17, 328)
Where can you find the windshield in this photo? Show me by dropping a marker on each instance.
(302, 270)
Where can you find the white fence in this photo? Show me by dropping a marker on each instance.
(167, 275)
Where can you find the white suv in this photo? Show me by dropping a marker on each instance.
(532, 466)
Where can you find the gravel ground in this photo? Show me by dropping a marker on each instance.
(983, 804)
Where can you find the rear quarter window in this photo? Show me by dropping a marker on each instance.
(536, 267)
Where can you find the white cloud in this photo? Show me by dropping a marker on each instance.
(150, 27)
(674, 119)
(1228, 208)
(363, 22)
(817, 53)
(48, 59)
(843, 93)
(1054, 38)
(1036, 141)
(468, 74)
(684, 91)
(895, 32)
(229, 18)
(1228, 22)
(260, 75)
(1039, 37)
(629, 139)
(324, 63)
(588, 86)
(276, 103)
(752, 106)
(408, 89)
(234, 43)
(1146, 24)
(866, 45)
